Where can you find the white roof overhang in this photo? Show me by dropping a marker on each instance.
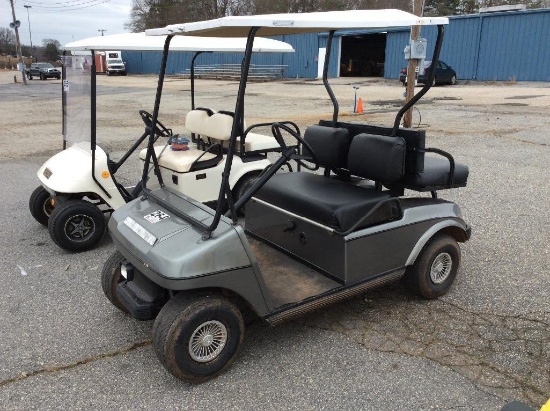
(295, 23)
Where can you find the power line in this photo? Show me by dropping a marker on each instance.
(61, 8)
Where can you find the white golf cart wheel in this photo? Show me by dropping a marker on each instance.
(76, 225)
(40, 205)
(435, 269)
(197, 336)
(242, 186)
(111, 277)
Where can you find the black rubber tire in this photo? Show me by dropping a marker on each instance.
(174, 326)
(111, 277)
(40, 206)
(30, 77)
(81, 215)
(242, 185)
(58, 77)
(453, 81)
(42, 77)
(417, 276)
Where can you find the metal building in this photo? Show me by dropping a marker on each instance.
(493, 46)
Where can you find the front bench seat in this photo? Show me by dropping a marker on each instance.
(335, 203)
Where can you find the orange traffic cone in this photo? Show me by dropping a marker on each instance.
(359, 106)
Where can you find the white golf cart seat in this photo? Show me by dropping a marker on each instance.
(181, 161)
(219, 128)
(199, 124)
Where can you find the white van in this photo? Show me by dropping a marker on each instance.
(114, 63)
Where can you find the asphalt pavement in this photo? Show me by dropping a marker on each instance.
(485, 343)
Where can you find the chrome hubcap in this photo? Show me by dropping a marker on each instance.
(207, 341)
(441, 268)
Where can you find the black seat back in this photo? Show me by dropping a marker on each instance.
(329, 144)
(415, 139)
(377, 158)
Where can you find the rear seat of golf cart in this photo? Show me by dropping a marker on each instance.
(366, 170)
(210, 132)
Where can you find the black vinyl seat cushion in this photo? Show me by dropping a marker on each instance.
(327, 201)
(436, 174)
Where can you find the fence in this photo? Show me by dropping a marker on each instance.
(10, 63)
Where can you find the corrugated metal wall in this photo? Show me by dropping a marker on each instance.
(302, 63)
(500, 46)
(497, 46)
(515, 47)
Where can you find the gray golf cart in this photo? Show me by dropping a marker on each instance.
(78, 186)
(309, 239)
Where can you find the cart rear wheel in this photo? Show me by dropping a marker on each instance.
(111, 277)
(76, 225)
(197, 336)
(435, 268)
(40, 206)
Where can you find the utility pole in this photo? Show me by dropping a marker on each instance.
(102, 31)
(413, 64)
(16, 23)
(29, 20)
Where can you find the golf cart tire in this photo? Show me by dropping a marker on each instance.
(242, 185)
(439, 258)
(111, 278)
(39, 205)
(81, 213)
(186, 315)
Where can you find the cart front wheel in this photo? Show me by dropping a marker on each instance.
(76, 225)
(40, 205)
(111, 277)
(197, 336)
(435, 269)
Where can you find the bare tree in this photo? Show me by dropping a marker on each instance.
(7, 41)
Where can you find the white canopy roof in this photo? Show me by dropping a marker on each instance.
(141, 42)
(293, 23)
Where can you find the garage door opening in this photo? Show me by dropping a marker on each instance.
(363, 55)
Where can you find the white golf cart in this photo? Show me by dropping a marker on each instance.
(78, 185)
(309, 239)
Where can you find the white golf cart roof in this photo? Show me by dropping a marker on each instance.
(294, 23)
(141, 42)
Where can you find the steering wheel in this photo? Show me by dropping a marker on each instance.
(276, 130)
(160, 129)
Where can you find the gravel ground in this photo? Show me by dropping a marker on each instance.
(483, 344)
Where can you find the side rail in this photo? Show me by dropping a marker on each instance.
(261, 143)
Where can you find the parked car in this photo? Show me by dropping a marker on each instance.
(43, 70)
(444, 74)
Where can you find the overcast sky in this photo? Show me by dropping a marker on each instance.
(66, 20)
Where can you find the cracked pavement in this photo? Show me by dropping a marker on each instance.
(485, 343)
